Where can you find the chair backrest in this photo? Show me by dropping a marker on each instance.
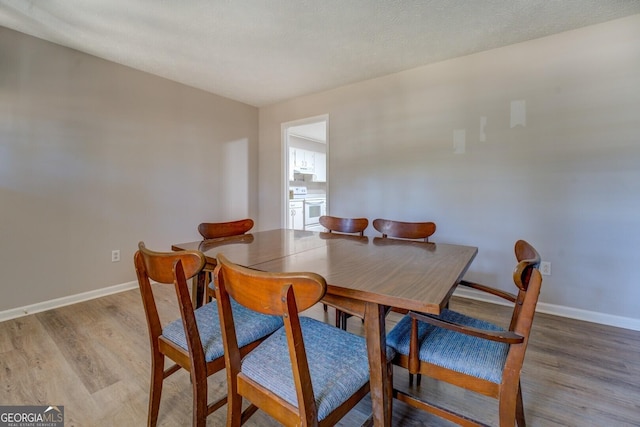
(528, 261)
(213, 230)
(344, 225)
(521, 324)
(167, 268)
(281, 294)
(405, 230)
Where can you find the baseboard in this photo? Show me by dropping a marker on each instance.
(61, 302)
(559, 310)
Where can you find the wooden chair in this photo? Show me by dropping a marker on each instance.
(215, 230)
(307, 373)
(405, 230)
(343, 225)
(471, 353)
(194, 341)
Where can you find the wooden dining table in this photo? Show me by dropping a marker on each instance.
(365, 277)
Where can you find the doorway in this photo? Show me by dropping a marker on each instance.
(305, 158)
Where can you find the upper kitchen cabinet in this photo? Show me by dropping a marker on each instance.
(304, 161)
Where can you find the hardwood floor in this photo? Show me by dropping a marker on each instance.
(93, 358)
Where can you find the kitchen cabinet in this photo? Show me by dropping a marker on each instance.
(303, 160)
(296, 215)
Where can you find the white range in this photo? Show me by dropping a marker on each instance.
(313, 206)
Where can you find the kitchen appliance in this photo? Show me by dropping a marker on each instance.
(297, 192)
(314, 208)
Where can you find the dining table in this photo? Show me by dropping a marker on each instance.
(366, 276)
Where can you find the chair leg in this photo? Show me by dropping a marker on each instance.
(235, 416)
(199, 401)
(155, 389)
(520, 409)
(507, 408)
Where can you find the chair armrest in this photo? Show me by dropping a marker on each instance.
(507, 337)
(502, 294)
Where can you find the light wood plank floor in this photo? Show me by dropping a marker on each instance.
(93, 358)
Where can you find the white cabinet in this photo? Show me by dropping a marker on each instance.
(296, 215)
(303, 160)
(320, 167)
(307, 162)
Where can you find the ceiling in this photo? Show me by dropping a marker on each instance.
(316, 131)
(264, 51)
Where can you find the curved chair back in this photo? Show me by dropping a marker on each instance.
(213, 230)
(405, 230)
(344, 225)
(261, 292)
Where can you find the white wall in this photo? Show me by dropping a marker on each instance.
(568, 181)
(95, 156)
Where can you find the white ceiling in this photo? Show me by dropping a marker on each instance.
(264, 51)
(315, 131)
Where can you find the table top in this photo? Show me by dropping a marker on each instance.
(406, 274)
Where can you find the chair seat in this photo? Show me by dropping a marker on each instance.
(469, 355)
(250, 326)
(338, 365)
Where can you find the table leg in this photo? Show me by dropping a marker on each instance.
(380, 376)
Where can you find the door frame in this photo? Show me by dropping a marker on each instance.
(284, 131)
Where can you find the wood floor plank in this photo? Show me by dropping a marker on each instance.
(74, 339)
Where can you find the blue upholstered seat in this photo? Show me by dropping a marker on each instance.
(250, 326)
(473, 356)
(338, 364)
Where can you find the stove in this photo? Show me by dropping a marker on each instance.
(314, 206)
(297, 192)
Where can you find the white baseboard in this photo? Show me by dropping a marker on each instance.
(559, 310)
(61, 302)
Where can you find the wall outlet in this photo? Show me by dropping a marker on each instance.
(115, 255)
(545, 268)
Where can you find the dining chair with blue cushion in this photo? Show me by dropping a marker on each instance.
(306, 373)
(471, 353)
(194, 341)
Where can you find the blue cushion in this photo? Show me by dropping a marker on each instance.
(250, 326)
(473, 356)
(337, 359)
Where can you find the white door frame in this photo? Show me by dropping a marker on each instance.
(284, 131)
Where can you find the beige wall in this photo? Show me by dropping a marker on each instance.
(95, 156)
(568, 181)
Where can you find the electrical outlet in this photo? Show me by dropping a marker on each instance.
(545, 268)
(115, 255)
